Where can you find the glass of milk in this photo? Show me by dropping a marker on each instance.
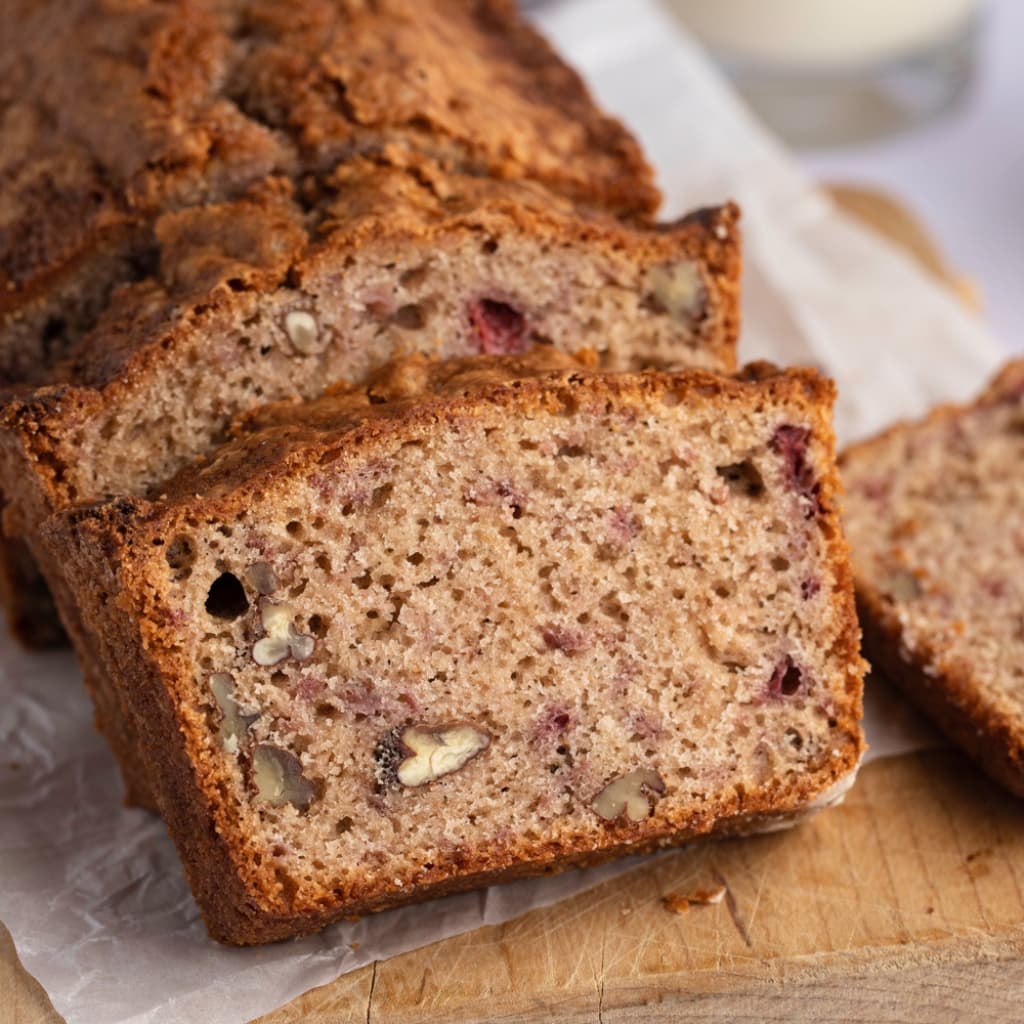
(827, 72)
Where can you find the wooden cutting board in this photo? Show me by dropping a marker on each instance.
(902, 905)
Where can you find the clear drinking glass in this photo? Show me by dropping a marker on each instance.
(829, 72)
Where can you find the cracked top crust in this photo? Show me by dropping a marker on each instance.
(112, 111)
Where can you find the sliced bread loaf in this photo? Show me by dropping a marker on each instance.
(260, 299)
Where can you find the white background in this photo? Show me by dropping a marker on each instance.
(963, 174)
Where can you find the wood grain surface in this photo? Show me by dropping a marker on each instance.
(902, 905)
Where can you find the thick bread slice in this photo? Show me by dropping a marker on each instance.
(934, 515)
(478, 620)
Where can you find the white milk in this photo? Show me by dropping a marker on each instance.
(833, 34)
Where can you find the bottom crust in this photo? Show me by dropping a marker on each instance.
(243, 930)
(951, 702)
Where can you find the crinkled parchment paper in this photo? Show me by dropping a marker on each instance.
(93, 893)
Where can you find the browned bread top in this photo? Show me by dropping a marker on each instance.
(275, 439)
(111, 111)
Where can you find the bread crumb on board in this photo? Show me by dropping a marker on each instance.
(678, 903)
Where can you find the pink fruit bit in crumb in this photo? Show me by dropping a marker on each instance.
(790, 442)
(552, 723)
(875, 489)
(495, 493)
(309, 688)
(645, 726)
(810, 587)
(787, 679)
(560, 638)
(623, 525)
(362, 698)
(378, 302)
(498, 328)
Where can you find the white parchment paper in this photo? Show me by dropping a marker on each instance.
(93, 893)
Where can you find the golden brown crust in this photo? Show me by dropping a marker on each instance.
(948, 695)
(112, 114)
(113, 545)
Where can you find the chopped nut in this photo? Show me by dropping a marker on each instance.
(277, 775)
(439, 751)
(235, 722)
(262, 578)
(282, 637)
(632, 794)
(902, 585)
(677, 289)
(302, 646)
(303, 332)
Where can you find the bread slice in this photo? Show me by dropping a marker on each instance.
(261, 299)
(478, 620)
(933, 513)
(113, 114)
